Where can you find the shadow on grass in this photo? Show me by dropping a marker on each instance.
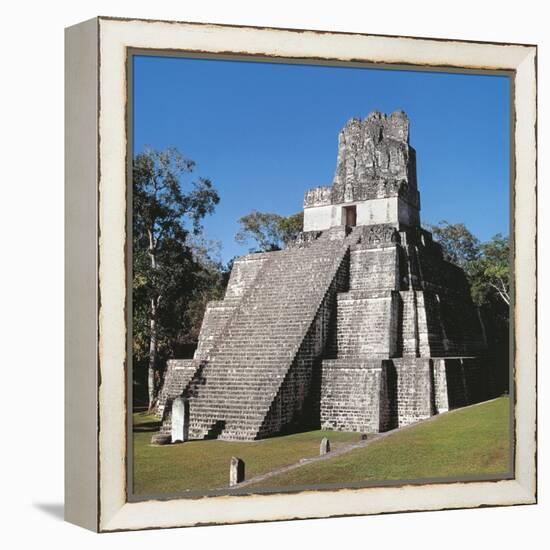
(146, 427)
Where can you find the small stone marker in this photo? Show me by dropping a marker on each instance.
(236, 471)
(180, 420)
(160, 439)
(325, 446)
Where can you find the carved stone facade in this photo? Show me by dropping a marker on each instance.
(318, 196)
(375, 171)
(375, 159)
(360, 327)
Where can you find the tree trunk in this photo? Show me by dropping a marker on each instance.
(502, 292)
(152, 356)
(152, 382)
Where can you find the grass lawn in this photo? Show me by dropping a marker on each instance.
(465, 442)
(202, 465)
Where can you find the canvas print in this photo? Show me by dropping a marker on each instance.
(320, 276)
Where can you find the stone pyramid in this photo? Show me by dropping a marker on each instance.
(359, 325)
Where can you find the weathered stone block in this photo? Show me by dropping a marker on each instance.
(180, 420)
(179, 373)
(160, 439)
(236, 471)
(358, 395)
(415, 391)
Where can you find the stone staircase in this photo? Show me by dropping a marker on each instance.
(233, 393)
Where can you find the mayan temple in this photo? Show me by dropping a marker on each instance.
(359, 325)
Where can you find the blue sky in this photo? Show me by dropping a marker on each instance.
(266, 132)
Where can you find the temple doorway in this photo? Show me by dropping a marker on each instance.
(350, 215)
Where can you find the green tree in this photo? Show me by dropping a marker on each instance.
(269, 231)
(459, 245)
(490, 272)
(487, 265)
(167, 206)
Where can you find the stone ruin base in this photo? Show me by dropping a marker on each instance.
(376, 395)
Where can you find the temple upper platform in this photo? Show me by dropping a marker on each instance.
(375, 178)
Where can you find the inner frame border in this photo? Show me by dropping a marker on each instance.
(131, 53)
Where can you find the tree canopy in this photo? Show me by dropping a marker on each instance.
(268, 231)
(172, 276)
(487, 264)
(490, 271)
(459, 245)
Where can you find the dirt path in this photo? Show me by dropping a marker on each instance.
(345, 448)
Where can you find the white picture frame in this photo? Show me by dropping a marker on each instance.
(96, 326)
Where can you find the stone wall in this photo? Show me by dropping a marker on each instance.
(358, 395)
(394, 210)
(218, 313)
(365, 324)
(216, 316)
(297, 403)
(432, 325)
(318, 196)
(415, 394)
(429, 324)
(375, 160)
(367, 315)
(408, 344)
(374, 269)
(462, 327)
(179, 373)
(375, 170)
(244, 272)
(319, 218)
(368, 395)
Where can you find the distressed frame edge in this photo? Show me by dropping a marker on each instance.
(525, 272)
(81, 282)
(522, 490)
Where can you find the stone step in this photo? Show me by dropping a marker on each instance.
(212, 408)
(210, 417)
(221, 386)
(256, 348)
(217, 398)
(207, 420)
